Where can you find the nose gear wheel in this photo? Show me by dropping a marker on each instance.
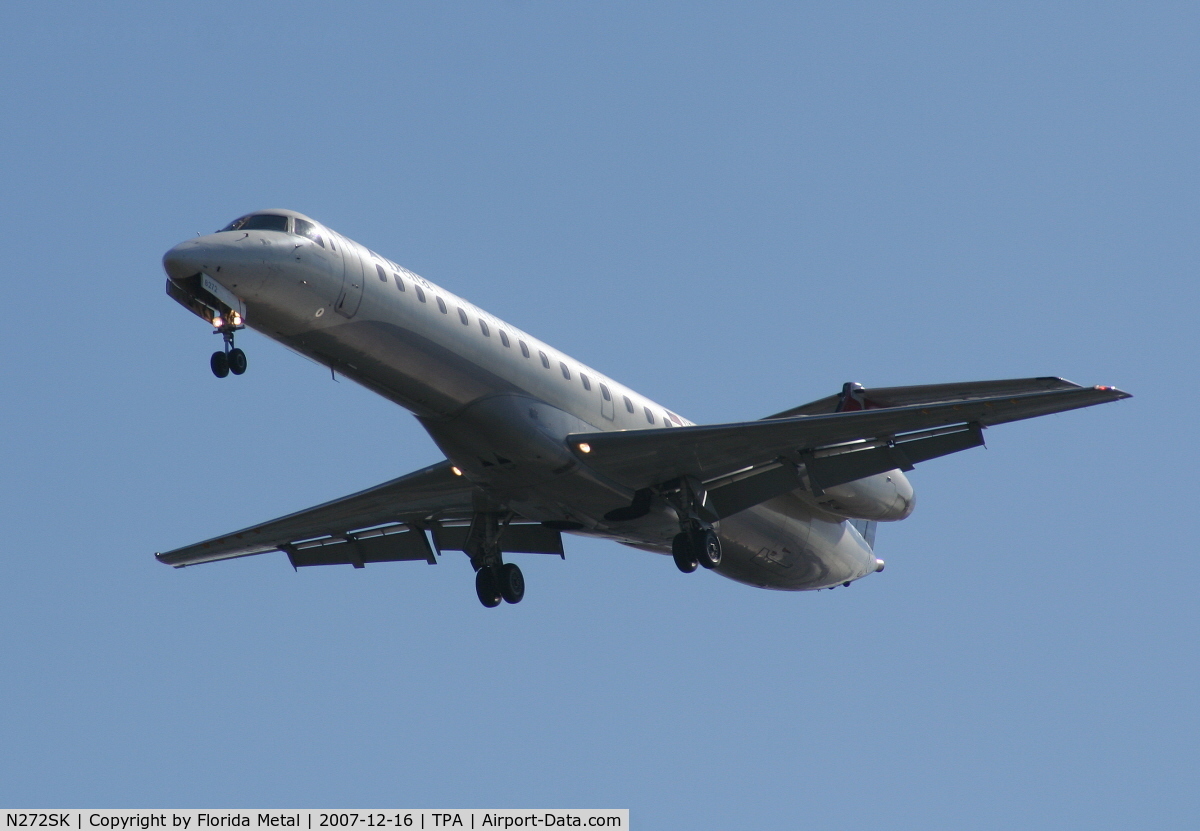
(219, 363)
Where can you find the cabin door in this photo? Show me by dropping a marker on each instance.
(352, 280)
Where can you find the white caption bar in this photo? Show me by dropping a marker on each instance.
(206, 820)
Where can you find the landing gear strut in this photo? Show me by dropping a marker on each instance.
(231, 359)
(495, 580)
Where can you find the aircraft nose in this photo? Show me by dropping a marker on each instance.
(185, 259)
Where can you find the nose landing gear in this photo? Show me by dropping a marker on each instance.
(231, 359)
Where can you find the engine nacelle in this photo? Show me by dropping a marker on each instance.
(884, 497)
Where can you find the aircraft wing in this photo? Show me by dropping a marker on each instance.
(835, 447)
(333, 532)
(881, 397)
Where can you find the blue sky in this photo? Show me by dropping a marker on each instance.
(734, 208)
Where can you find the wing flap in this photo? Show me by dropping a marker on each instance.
(385, 545)
(518, 538)
(432, 492)
(837, 466)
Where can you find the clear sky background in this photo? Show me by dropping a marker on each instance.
(734, 208)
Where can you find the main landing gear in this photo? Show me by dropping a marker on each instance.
(499, 582)
(231, 359)
(495, 580)
(696, 546)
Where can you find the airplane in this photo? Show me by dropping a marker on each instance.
(538, 444)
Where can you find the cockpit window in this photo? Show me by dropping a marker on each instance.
(265, 222)
(259, 222)
(305, 228)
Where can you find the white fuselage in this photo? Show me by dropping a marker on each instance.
(500, 403)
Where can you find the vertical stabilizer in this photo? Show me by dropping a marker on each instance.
(866, 527)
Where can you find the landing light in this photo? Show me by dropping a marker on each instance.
(236, 319)
(584, 447)
(218, 321)
(455, 470)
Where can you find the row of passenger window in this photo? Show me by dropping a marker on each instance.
(304, 228)
(668, 419)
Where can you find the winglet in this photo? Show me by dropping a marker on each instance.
(1119, 394)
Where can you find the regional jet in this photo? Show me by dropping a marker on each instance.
(537, 444)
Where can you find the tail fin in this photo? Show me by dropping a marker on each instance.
(866, 527)
(854, 398)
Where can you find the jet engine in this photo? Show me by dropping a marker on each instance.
(884, 497)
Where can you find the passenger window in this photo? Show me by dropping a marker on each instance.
(566, 372)
(649, 415)
(483, 327)
(441, 305)
(524, 349)
(604, 392)
(382, 274)
(463, 317)
(399, 282)
(628, 404)
(504, 337)
(587, 385)
(545, 360)
(420, 293)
